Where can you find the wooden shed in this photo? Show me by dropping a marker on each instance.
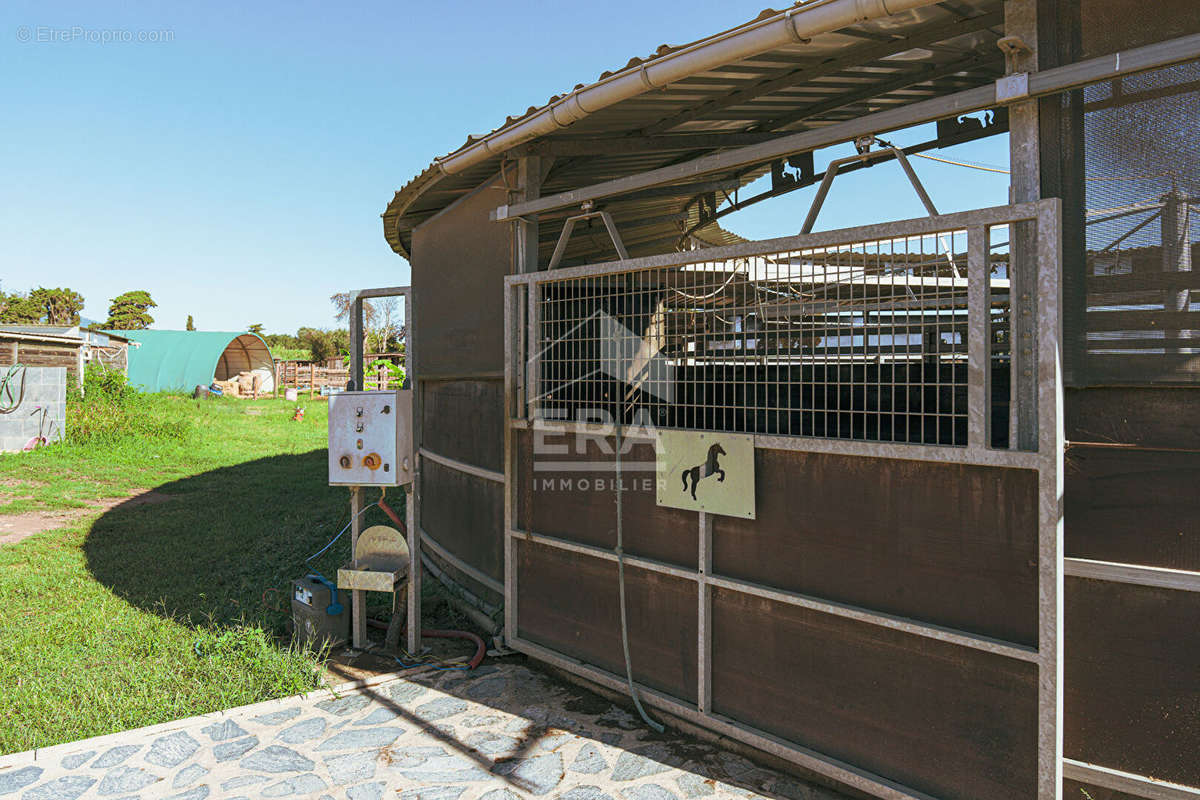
(42, 347)
(70, 347)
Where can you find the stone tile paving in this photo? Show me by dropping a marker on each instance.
(502, 732)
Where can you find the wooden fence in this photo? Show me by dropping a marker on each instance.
(333, 374)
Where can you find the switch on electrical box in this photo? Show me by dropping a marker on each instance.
(370, 438)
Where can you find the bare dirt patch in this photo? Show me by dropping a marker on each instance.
(15, 527)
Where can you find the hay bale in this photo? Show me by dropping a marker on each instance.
(229, 388)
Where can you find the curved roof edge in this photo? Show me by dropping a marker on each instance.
(669, 64)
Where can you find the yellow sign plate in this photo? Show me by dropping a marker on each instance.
(706, 471)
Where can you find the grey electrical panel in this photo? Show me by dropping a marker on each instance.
(370, 438)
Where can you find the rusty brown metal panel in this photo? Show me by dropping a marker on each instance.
(1112, 25)
(1133, 506)
(950, 544)
(568, 504)
(459, 263)
(464, 420)
(945, 720)
(1132, 694)
(569, 603)
(464, 514)
(1145, 416)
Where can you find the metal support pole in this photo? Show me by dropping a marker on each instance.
(356, 342)
(704, 629)
(414, 570)
(529, 187)
(358, 598)
(1177, 257)
(979, 351)
(1020, 28)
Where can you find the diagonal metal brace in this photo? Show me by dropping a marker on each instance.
(864, 154)
(560, 249)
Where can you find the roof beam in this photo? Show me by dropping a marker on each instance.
(856, 57)
(904, 80)
(1045, 82)
(627, 145)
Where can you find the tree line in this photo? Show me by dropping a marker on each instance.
(61, 306)
(382, 331)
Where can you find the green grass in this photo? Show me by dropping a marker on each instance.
(147, 613)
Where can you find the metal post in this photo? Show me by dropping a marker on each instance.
(529, 187)
(979, 356)
(358, 598)
(531, 172)
(356, 342)
(1177, 257)
(414, 569)
(1020, 25)
(704, 597)
(1051, 447)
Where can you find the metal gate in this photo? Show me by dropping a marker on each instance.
(901, 383)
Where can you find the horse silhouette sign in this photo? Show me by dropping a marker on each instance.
(706, 471)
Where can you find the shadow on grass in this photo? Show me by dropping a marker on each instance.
(226, 544)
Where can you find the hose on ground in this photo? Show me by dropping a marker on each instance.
(480, 647)
(432, 633)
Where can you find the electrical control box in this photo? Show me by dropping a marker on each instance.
(370, 438)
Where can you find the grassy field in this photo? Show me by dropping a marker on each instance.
(141, 613)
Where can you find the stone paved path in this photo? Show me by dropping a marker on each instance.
(501, 732)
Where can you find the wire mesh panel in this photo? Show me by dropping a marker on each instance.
(859, 341)
(1141, 149)
(869, 353)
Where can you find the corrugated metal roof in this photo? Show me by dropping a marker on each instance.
(835, 76)
(60, 331)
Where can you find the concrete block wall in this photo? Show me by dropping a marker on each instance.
(45, 387)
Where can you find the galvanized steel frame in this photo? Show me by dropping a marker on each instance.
(1045, 456)
(413, 492)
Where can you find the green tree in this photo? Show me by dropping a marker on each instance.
(284, 340)
(128, 311)
(191, 326)
(324, 344)
(255, 328)
(19, 309)
(59, 306)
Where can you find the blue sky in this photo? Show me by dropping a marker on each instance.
(237, 170)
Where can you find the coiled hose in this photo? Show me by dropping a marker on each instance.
(10, 402)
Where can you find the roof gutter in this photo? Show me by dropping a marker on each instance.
(794, 26)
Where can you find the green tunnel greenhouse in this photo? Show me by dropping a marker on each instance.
(181, 360)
